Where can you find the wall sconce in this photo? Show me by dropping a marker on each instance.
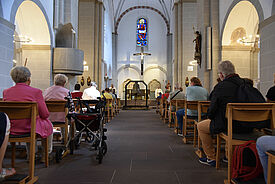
(22, 39)
(86, 68)
(193, 63)
(245, 41)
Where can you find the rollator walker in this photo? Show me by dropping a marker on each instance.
(87, 116)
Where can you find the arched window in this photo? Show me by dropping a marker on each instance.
(142, 32)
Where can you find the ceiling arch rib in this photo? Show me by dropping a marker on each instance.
(142, 7)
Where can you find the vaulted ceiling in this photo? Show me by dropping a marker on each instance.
(117, 7)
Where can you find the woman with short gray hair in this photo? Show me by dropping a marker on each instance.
(20, 74)
(60, 80)
(57, 92)
(22, 91)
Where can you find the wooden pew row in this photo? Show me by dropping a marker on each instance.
(60, 106)
(23, 110)
(171, 114)
(189, 121)
(246, 112)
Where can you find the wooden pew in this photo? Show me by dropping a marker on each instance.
(158, 105)
(60, 106)
(246, 112)
(188, 122)
(171, 115)
(202, 108)
(179, 105)
(165, 111)
(108, 109)
(23, 110)
(161, 107)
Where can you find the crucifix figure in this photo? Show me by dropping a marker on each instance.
(142, 54)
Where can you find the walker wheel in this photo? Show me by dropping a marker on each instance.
(58, 155)
(104, 147)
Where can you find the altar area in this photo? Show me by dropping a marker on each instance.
(136, 95)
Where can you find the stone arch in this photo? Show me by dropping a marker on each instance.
(156, 67)
(255, 3)
(154, 84)
(129, 66)
(142, 7)
(15, 7)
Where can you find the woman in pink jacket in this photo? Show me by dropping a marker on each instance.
(22, 91)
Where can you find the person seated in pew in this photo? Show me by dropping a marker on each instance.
(224, 92)
(271, 93)
(195, 92)
(91, 93)
(57, 92)
(107, 94)
(114, 93)
(178, 94)
(76, 88)
(165, 95)
(264, 144)
(157, 92)
(76, 93)
(4, 137)
(22, 91)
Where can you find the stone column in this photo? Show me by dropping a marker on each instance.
(175, 13)
(61, 12)
(203, 23)
(6, 44)
(180, 53)
(208, 16)
(114, 60)
(216, 43)
(96, 42)
(169, 58)
(267, 54)
(90, 36)
(100, 44)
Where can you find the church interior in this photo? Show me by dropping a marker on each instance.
(137, 55)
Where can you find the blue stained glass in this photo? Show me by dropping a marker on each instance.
(142, 32)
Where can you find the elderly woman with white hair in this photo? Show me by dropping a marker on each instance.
(22, 91)
(57, 92)
(91, 93)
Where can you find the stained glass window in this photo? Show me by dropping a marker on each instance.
(142, 32)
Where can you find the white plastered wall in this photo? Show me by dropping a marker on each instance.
(30, 22)
(157, 46)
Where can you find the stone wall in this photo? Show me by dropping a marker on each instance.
(267, 54)
(245, 60)
(90, 38)
(6, 54)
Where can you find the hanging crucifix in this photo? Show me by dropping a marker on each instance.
(142, 54)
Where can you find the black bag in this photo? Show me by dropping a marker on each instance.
(247, 94)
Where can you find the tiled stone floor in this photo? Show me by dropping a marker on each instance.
(141, 150)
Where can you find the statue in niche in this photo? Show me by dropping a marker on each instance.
(197, 40)
(89, 81)
(82, 81)
(186, 82)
